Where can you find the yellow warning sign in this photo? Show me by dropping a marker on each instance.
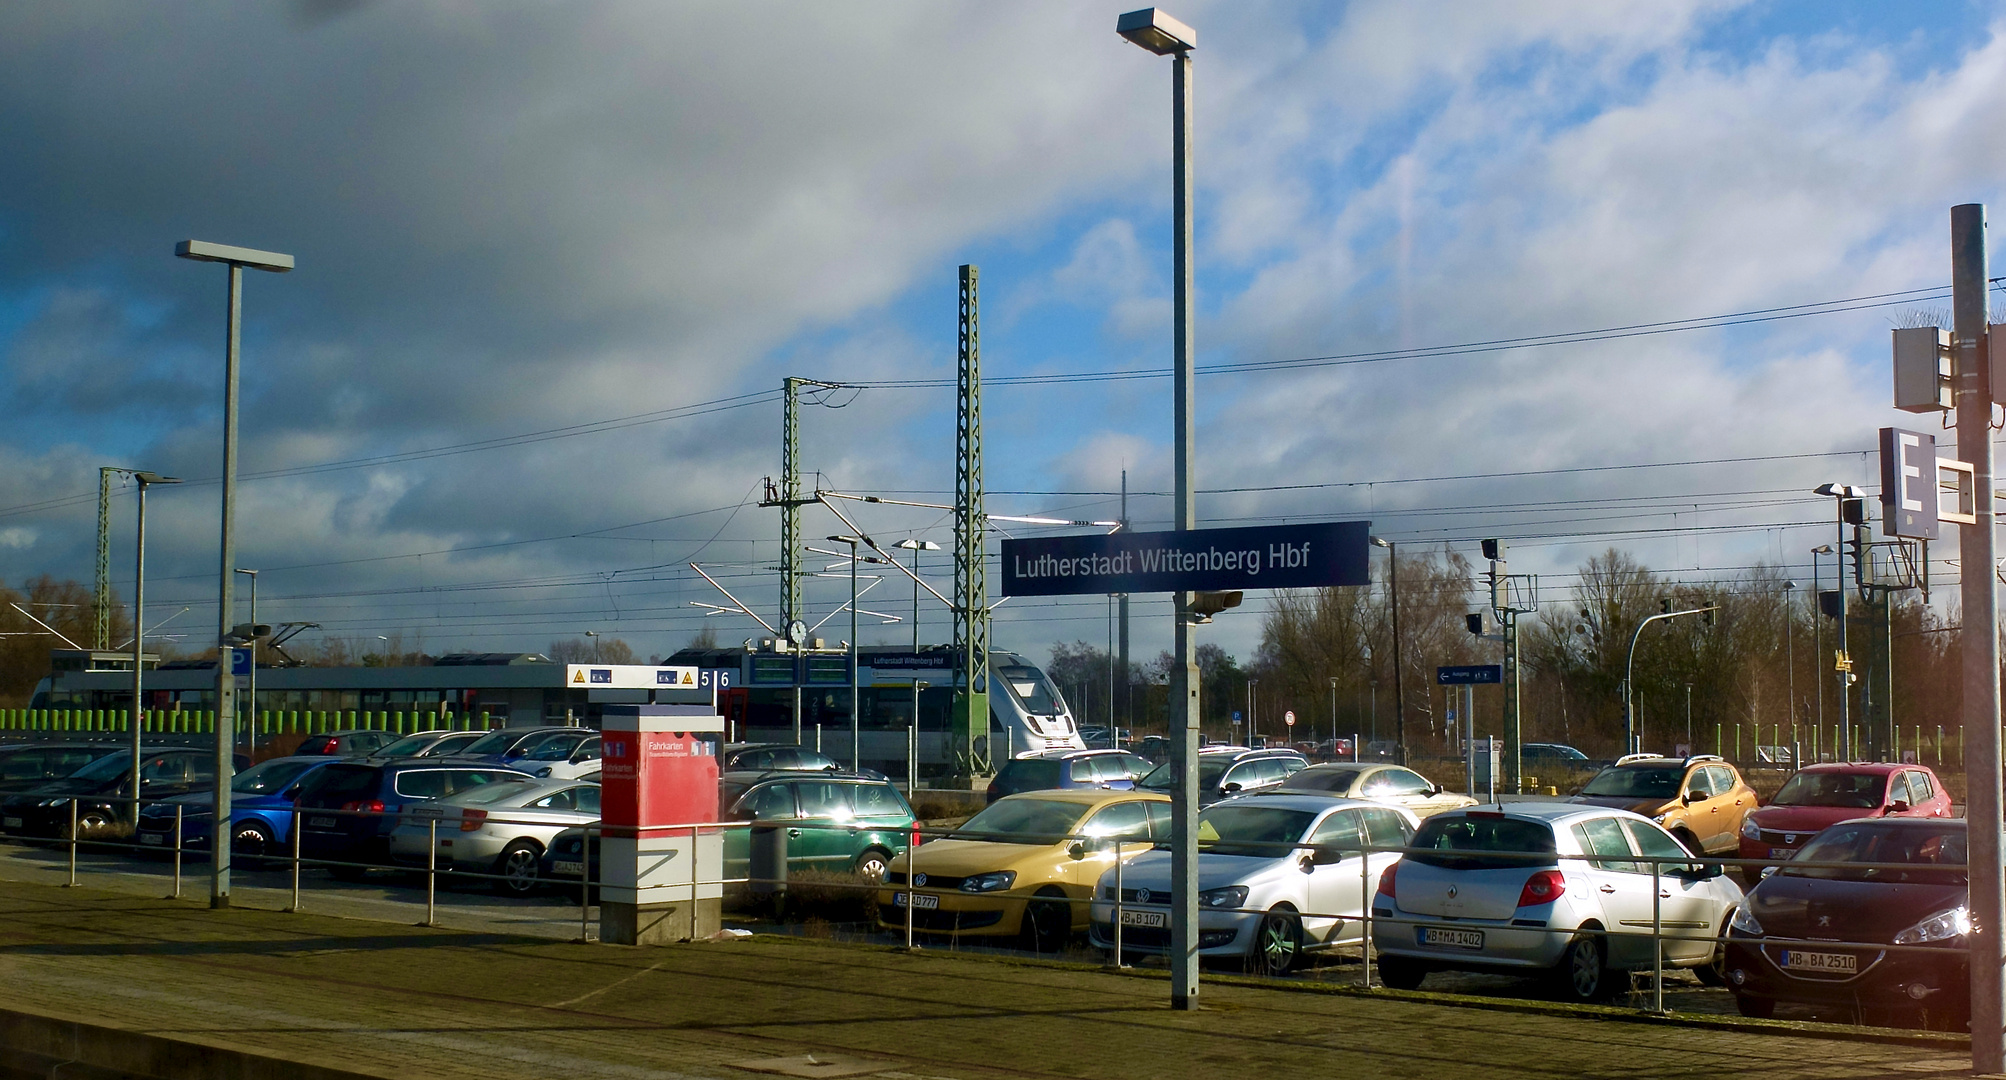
(578, 677)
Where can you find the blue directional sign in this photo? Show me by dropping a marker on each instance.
(1260, 557)
(240, 661)
(1470, 674)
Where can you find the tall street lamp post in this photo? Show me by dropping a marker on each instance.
(1157, 32)
(1839, 494)
(236, 258)
(1790, 666)
(856, 691)
(1818, 634)
(1399, 671)
(144, 480)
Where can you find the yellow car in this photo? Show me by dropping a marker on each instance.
(1024, 868)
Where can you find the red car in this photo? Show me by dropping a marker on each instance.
(1823, 795)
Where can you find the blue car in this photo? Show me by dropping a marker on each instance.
(348, 808)
(261, 810)
(1115, 770)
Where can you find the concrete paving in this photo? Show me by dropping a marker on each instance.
(383, 1000)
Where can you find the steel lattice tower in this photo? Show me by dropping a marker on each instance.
(101, 592)
(971, 581)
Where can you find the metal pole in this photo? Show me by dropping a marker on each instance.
(226, 682)
(584, 884)
(694, 879)
(432, 874)
(1365, 908)
(1980, 640)
(73, 845)
(177, 850)
(856, 695)
(1399, 669)
(1846, 676)
(1657, 940)
(1119, 959)
(910, 896)
(296, 860)
(138, 653)
(1185, 682)
(253, 726)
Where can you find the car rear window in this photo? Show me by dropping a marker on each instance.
(1467, 842)
(333, 785)
(1026, 774)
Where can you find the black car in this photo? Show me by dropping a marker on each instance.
(350, 743)
(1108, 769)
(430, 744)
(1224, 772)
(1819, 935)
(102, 794)
(348, 809)
(30, 765)
(761, 757)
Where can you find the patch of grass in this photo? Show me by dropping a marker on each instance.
(816, 897)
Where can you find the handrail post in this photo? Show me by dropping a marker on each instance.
(177, 850)
(1657, 937)
(432, 875)
(693, 882)
(296, 860)
(1119, 958)
(585, 885)
(1365, 907)
(910, 896)
(72, 883)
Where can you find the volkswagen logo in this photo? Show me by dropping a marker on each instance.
(1142, 896)
(919, 879)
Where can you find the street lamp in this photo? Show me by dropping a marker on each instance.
(594, 635)
(1818, 632)
(1839, 494)
(252, 641)
(856, 732)
(1333, 717)
(1157, 32)
(1789, 668)
(144, 480)
(916, 546)
(236, 258)
(1399, 672)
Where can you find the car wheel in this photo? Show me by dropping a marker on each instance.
(516, 869)
(1688, 841)
(1713, 972)
(1583, 974)
(874, 865)
(249, 842)
(1400, 973)
(1048, 922)
(1278, 943)
(1757, 1008)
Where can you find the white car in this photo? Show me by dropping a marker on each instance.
(1498, 893)
(497, 829)
(1278, 875)
(1373, 782)
(561, 760)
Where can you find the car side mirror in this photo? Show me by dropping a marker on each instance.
(1898, 807)
(1703, 872)
(1693, 796)
(1077, 850)
(1229, 788)
(1434, 791)
(1325, 855)
(1768, 870)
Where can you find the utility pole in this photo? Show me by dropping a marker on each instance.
(1977, 546)
(787, 496)
(1121, 634)
(101, 593)
(970, 726)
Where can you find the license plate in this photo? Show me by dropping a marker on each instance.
(1152, 919)
(1781, 852)
(320, 823)
(1454, 939)
(561, 866)
(919, 901)
(1841, 963)
(153, 838)
(11, 823)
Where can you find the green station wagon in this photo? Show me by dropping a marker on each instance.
(838, 822)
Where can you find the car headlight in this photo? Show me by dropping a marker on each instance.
(545, 771)
(1749, 829)
(1232, 896)
(992, 882)
(1942, 926)
(1745, 922)
(1660, 818)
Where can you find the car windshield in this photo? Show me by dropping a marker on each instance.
(553, 747)
(1024, 821)
(1453, 837)
(1031, 689)
(409, 745)
(1255, 831)
(1637, 782)
(494, 742)
(1857, 791)
(106, 768)
(1932, 853)
(269, 777)
(1210, 769)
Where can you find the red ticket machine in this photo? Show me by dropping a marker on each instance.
(662, 869)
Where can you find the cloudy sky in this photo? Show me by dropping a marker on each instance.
(555, 259)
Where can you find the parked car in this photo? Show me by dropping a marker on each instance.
(1154, 749)
(102, 793)
(561, 760)
(840, 822)
(261, 810)
(1818, 935)
(30, 765)
(1335, 750)
(766, 757)
(1105, 738)
(1393, 784)
(498, 829)
(1701, 800)
(439, 743)
(564, 858)
(1493, 893)
(1224, 772)
(501, 744)
(352, 742)
(1554, 760)
(1059, 769)
(1024, 867)
(349, 808)
(1822, 795)
(1278, 876)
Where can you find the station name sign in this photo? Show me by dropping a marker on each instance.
(1262, 557)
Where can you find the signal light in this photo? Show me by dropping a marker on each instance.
(1493, 550)
(1475, 621)
(1664, 605)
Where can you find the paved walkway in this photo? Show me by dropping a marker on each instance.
(395, 1001)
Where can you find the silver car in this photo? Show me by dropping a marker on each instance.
(1497, 893)
(499, 829)
(1278, 875)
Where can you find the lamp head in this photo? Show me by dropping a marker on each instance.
(1840, 491)
(851, 540)
(916, 545)
(154, 478)
(203, 251)
(1380, 541)
(1156, 31)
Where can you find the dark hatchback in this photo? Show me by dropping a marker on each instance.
(353, 742)
(30, 765)
(1819, 935)
(101, 793)
(348, 808)
(1062, 769)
